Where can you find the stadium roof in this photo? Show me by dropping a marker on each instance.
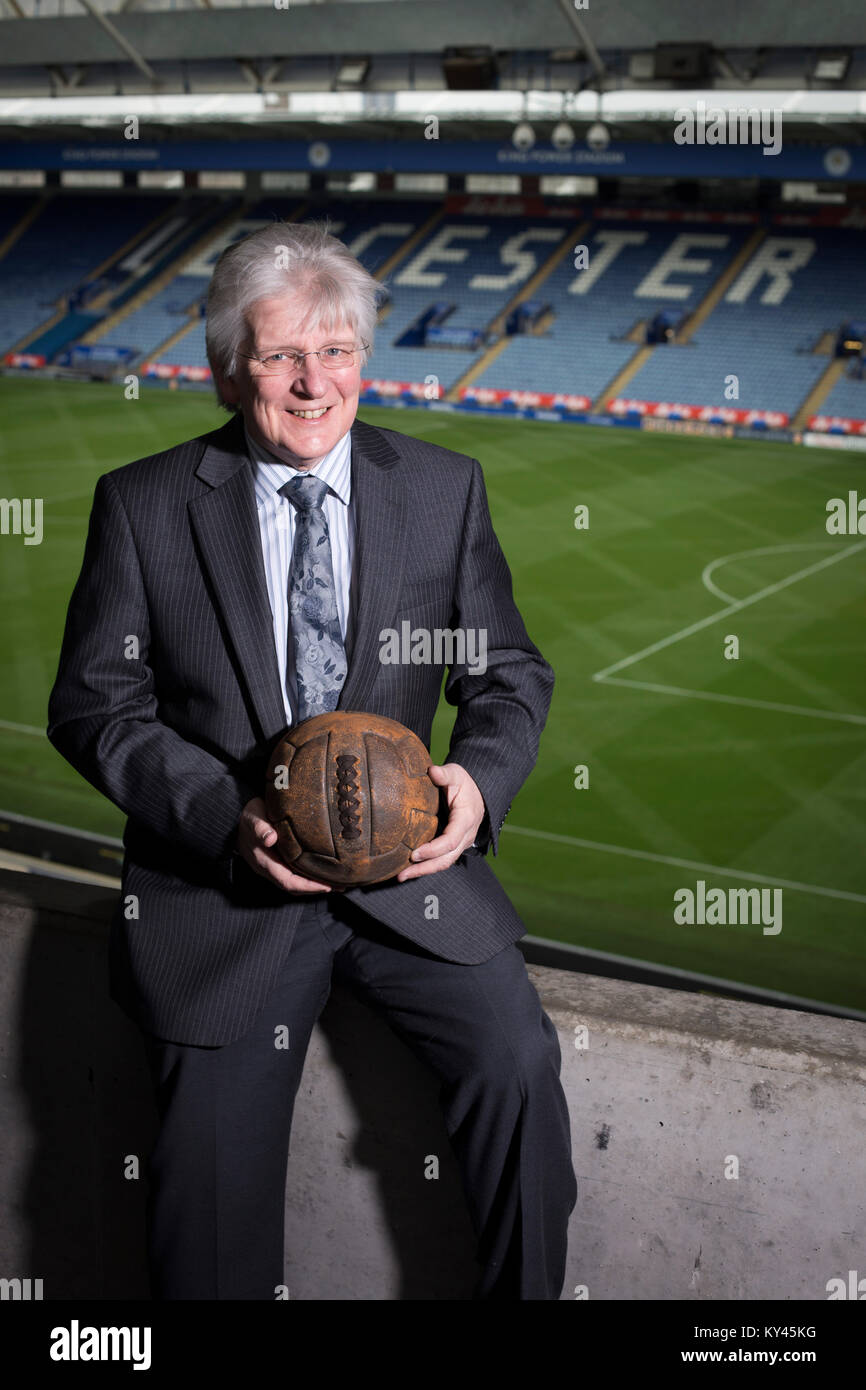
(240, 64)
(161, 29)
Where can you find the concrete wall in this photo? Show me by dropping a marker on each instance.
(670, 1091)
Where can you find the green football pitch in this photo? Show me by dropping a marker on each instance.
(702, 766)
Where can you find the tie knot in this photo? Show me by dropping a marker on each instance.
(305, 493)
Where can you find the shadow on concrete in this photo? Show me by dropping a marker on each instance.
(89, 1110)
(395, 1098)
(84, 1099)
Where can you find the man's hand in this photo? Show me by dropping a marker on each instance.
(256, 842)
(466, 812)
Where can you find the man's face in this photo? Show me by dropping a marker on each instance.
(269, 403)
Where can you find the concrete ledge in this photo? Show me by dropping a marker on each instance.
(668, 1091)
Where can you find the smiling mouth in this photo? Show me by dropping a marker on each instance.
(310, 414)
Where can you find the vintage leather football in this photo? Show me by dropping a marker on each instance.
(350, 798)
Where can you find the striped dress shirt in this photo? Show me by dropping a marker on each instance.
(277, 520)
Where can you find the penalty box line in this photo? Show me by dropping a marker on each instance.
(607, 674)
(597, 846)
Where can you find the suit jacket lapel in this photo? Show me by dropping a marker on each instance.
(225, 522)
(381, 515)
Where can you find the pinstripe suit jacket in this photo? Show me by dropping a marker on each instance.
(168, 700)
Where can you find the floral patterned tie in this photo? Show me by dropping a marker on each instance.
(320, 657)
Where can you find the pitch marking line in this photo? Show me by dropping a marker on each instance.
(735, 606)
(735, 700)
(706, 579)
(688, 864)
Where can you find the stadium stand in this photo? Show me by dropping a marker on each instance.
(741, 295)
(848, 396)
(69, 241)
(597, 309)
(767, 326)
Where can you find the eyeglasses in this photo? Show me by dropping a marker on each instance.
(333, 357)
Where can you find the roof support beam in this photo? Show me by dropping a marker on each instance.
(586, 42)
(123, 44)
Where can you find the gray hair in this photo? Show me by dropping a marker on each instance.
(287, 258)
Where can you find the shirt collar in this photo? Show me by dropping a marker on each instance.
(270, 473)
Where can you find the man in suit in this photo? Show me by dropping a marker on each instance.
(189, 648)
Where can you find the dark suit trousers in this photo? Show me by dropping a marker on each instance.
(217, 1176)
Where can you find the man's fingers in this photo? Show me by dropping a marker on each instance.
(459, 832)
(446, 773)
(262, 829)
(436, 855)
(436, 849)
(268, 866)
(258, 846)
(255, 824)
(430, 866)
